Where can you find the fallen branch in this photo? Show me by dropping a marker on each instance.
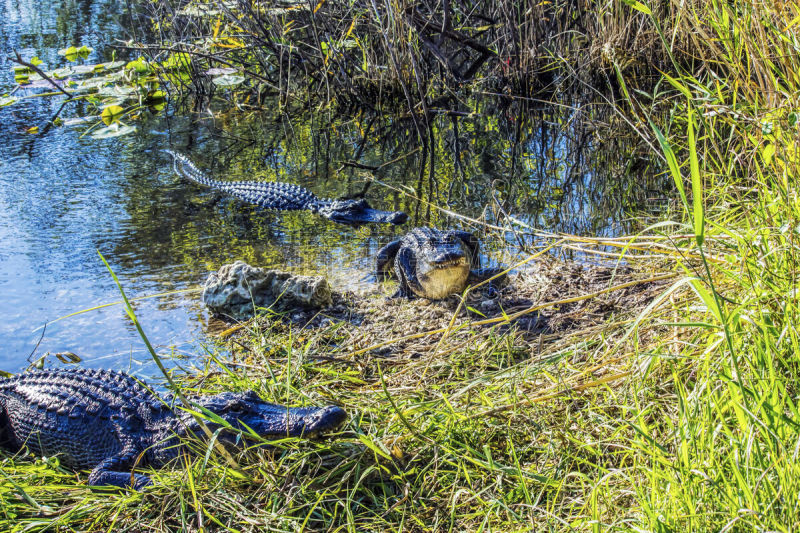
(41, 73)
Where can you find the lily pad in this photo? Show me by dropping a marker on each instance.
(112, 65)
(111, 114)
(73, 53)
(83, 69)
(228, 81)
(79, 120)
(38, 84)
(114, 130)
(114, 91)
(155, 97)
(217, 71)
(138, 65)
(61, 72)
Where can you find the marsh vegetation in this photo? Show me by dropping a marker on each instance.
(663, 395)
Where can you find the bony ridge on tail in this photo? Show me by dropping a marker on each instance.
(289, 197)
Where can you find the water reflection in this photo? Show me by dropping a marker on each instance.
(64, 197)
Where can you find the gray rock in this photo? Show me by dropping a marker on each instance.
(237, 289)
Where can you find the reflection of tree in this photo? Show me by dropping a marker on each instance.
(544, 167)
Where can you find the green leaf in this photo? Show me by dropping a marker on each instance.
(638, 6)
(228, 81)
(155, 96)
(376, 449)
(178, 60)
(6, 100)
(697, 183)
(767, 152)
(114, 130)
(708, 298)
(678, 85)
(137, 65)
(156, 100)
(672, 163)
(71, 53)
(111, 114)
(35, 61)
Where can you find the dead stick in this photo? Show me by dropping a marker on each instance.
(41, 73)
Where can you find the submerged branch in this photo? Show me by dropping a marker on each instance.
(40, 72)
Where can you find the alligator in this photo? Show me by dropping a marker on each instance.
(289, 197)
(110, 422)
(434, 264)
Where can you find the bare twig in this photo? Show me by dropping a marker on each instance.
(41, 73)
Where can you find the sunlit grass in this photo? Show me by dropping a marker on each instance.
(679, 415)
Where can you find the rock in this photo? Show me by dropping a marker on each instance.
(488, 306)
(237, 289)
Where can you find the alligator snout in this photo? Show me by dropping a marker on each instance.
(397, 218)
(321, 420)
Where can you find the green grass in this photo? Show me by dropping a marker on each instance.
(680, 416)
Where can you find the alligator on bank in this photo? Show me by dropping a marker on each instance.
(289, 197)
(109, 422)
(434, 264)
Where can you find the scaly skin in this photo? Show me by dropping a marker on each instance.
(108, 422)
(289, 197)
(433, 264)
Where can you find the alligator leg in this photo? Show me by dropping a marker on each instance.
(385, 256)
(111, 471)
(7, 440)
(406, 272)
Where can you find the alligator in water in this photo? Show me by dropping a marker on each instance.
(109, 422)
(434, 264)
(289, 197)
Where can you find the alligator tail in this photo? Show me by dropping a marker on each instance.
(184, 167)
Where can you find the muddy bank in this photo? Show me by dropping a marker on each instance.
(361, 326)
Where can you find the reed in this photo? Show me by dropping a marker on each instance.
(676, 410)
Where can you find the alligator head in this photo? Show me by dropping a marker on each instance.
(442, 266)
(245, 411)
(356, 212)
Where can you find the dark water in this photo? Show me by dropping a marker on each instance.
(64, 197)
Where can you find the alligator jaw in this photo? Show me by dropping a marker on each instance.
(248, 413)
(313, 422)
(357, 212)
(367, 216)
(441, 279)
